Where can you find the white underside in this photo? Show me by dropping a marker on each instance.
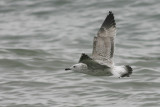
(116, 71)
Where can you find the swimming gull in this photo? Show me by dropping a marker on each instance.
(101, 62)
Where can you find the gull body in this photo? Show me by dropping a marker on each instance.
(101, 62)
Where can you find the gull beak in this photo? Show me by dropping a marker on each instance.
(68, 69)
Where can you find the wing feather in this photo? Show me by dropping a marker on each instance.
(92, 65)
(103, 45)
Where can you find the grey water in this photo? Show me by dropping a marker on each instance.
(40, 38)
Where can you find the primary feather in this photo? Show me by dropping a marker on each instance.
(103, 44)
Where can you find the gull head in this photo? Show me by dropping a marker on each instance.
(80, 67)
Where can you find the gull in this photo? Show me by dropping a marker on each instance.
(101, 62)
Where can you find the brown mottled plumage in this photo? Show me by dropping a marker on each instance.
(101, 62)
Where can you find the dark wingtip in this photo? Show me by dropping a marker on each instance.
(110, 12)
(109, 21)
(84, 57)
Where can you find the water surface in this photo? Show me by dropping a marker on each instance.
(39, 38)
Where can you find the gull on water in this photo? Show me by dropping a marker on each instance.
(101, 62)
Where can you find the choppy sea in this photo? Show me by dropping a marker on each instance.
(40, 38)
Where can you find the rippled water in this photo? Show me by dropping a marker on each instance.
(39, 38)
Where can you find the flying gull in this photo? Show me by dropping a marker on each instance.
(101, 62)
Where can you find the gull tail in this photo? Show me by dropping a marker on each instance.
(129, 71)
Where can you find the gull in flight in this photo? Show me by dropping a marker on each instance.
(101, 62)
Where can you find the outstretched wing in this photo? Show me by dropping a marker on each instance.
(103, 45)
(92, 65)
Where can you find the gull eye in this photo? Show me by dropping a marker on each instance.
(74, 66)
